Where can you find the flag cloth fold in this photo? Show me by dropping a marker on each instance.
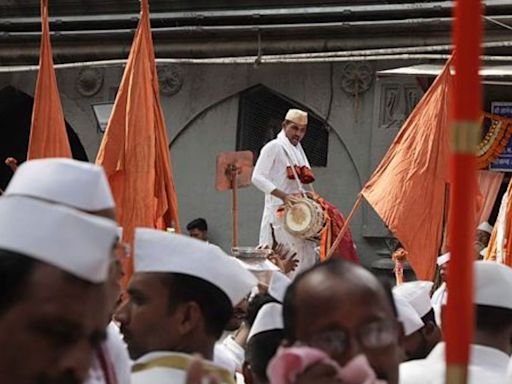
(134, 150)
(407, 190)
(48, 137)
(500, 244)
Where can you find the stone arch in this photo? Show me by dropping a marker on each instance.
(315, 111)
(194, 148)
(16, 115)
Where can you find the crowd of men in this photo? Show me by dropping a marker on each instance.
(193, 314)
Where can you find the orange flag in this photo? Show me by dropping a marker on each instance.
(48, 137)
(408, 188)
(134, 150)
(500, 245)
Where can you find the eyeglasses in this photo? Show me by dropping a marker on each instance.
(374, 335)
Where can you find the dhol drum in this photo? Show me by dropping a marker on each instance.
(305, 219)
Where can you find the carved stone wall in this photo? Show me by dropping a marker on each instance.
(395, 98)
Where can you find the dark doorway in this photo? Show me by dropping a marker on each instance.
(15, 120)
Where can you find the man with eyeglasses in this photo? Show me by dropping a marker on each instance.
(343, 310)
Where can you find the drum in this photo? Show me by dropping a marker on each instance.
(305, 219)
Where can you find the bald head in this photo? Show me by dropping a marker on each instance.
(342, 302)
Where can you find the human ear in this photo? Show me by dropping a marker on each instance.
(189, 317)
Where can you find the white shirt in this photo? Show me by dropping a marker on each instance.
(170, 367)
(270, 172)
(487, 365)
(509, 372)
(118, 359)
(229, 354)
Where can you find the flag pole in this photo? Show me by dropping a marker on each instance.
(467, 33)
(345, 227)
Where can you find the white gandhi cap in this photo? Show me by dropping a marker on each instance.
(269, 317)
(159, 251)
(416, 293)
(278, 285)
(297, 116)
(443, 259)
(493, 284)
(485, 227)
(407, 315)
(69, 182)
(75, 242)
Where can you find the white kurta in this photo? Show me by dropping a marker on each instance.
(117, 354)
(487, 365)
(170, 367)
(270, 174)
(229, 354)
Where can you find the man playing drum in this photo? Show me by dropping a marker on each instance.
(281, 172)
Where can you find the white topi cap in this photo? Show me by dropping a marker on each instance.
(74, 183)
(160, 251)
(485, 227)
(443, 259)
(493, 284)
(417, 294)
(297, 116)
(407, 315)
(278, 284)
(269, 317)
(76, 242)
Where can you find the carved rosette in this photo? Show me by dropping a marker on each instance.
(170, 79)
(89, 81)
(356, 78)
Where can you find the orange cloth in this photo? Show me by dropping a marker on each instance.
(489, 183)
(408, 188)
(500, 244)
(48, 137)
(134, 150)
(334, 223)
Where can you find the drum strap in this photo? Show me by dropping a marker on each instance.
(297, 179)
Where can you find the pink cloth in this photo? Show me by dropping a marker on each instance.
(489, 183)
(288, 363)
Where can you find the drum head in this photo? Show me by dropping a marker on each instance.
(298, 217)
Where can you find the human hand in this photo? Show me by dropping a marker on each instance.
(285, 259)
(290, 199)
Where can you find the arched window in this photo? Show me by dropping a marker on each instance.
(260, 115)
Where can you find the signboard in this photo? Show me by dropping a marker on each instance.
(503, 162)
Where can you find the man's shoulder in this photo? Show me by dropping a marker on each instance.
(274, 143)
(162, 366)
(421, 371)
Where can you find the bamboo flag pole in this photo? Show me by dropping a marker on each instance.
(459, 320)
(345, 227)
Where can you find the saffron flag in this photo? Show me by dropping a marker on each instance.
(134, 150)
(407, 189)
(500, 245)
(48, 137)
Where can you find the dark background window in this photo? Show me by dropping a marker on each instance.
(260, 115)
